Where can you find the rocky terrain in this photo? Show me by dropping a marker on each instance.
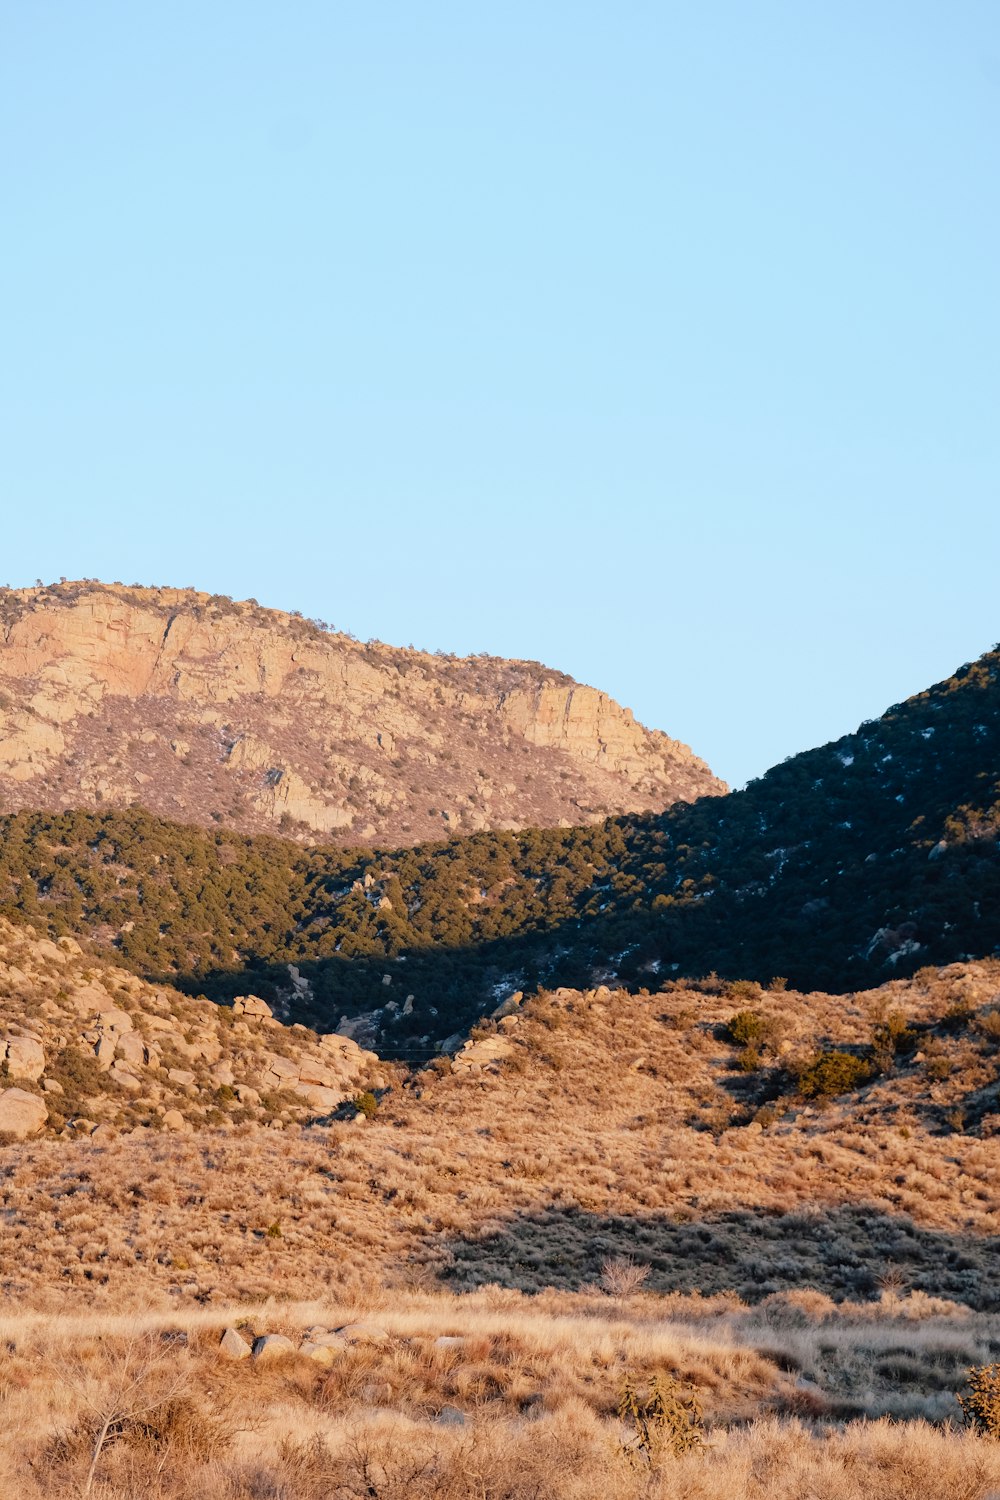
(88, 1050)
(214, 712)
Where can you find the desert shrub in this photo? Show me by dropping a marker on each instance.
(621, 1276)
(832, 1073)
(958, 1015)
(743, 989)
(981, 1401)
(891, 1036)
(746, 1028)
(665, 1419)
(988, 1027)
(366, 1104)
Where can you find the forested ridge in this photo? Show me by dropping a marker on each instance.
(843, 866)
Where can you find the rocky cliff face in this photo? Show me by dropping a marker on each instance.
(209, 711)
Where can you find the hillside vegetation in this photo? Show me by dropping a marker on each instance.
(844, 866)
(458, 1292)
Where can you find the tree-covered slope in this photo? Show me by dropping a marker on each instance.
(843, 866)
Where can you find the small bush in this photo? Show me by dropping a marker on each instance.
(832, 1073)
(667, 1419)
(366, 1104)
(981, 1403)
(988, 1027)
(892, 1036)
(743, 989)
(621, 1276)
(746, 1028)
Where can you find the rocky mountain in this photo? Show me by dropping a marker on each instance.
(220, 713)
(845, 866)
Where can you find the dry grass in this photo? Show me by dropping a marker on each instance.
(521, 1403)
(621, 1198)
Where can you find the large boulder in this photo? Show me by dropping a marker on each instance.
(131, 1049)
(311, 1070)
(22, 1114)
(233, 1345)
(271, 1346)
(25, 1057)
(251, 1005)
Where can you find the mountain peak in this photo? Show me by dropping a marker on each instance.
(214, 711)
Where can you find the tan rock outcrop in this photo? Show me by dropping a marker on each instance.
(21, 1114)
(188, 703)
(25, 1057)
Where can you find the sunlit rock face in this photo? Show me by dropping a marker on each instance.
(215, 712)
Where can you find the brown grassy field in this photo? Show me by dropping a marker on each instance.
(519, 1400)
(602, 1189)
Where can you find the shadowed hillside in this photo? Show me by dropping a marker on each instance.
(842, 867)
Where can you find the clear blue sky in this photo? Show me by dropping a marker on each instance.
(657, 341)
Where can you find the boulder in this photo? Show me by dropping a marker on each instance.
(509, 1006)
(116, 1020)
(363, 1333)
(174, 1120)
(130, 1049)
(233, 1345)
(485, 1052)
(323, 1336)
(282, 1069)
(183, 1077)
(25, 1057)
(251, 1005)
(125, 1079)
(320, 1354)
(22, 1114)
(311, 1070)
(271, 1346)
(320, 1098)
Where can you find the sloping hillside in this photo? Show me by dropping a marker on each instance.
(87, 1049)
(219, 713)
(724, 1155)
(842, 867)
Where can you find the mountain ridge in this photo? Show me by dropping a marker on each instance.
(216, 712)
(848, 865)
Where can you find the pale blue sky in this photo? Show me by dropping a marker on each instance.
(656, 341)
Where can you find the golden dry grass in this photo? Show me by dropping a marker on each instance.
(524, 1406)
(822, 1273)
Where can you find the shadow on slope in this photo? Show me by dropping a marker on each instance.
(847, 1252)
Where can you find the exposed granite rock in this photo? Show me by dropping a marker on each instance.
(201, 709)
